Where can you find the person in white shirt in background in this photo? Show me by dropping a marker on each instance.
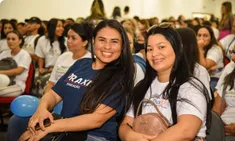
(78, 37)
(6, 27)
(210, 54)
(225, 91)
(126, 14)
(50, 46)
(23, 60)
(228, 42)
(34, 24)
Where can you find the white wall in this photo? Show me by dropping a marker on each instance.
(46, 9)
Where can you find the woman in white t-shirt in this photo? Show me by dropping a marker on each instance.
(227, 111)
(6, 27)
(50, 46)
(23, 60)
(210, 54)
(168, 83)
(191, 51)
(79, 35)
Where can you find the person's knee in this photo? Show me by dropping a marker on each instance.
(16, 127)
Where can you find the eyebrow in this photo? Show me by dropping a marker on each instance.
(113, 39)
(159, 43)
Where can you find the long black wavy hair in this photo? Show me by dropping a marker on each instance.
(189, 41)
(3, 34)
(51, 27)
(179, 75)
(117, 77)
(213, 40)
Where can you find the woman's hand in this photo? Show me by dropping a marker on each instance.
(39, 116)
(201, 44)
(41, 70)
(50, 69)
(230, 129)
(28, 136)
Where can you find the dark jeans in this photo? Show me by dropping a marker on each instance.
(230, 138)
(213, 83)
(16, 127)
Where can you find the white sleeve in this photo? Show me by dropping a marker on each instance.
(25, 60)
(197, 104)
(224, 42)
(215, 54)
(139, 74)
(53, 73)
(39, 48)
(130, 112)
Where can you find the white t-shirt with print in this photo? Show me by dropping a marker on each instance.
(186, 91)
(3, 45)
(215, 53)
(226, 41)
(46, 51)
(228, 115)
(63, 63)
(22, 59)
(202, 74)
(29, 43)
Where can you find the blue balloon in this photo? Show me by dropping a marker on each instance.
(24, 106)
(58, 108)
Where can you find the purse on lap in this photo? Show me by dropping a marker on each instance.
(151, 124)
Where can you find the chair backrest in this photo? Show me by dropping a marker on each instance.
(217, 132)
(29, 80)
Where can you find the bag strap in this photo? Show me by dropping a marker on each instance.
(150, 101)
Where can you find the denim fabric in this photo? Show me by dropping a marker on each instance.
(16, 127)
(95, 138)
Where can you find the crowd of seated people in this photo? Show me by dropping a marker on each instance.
(184, 73)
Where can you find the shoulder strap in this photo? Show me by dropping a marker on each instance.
(36, 41)
(150, 101)
(140, 61)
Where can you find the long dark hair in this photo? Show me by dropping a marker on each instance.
(51, 27)
(116, 12)
(189, 41)
(4, 35)
(229, 80)
(97, 10)
(84, 30)
(213, 39)
(115, 78)
(176, 78)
